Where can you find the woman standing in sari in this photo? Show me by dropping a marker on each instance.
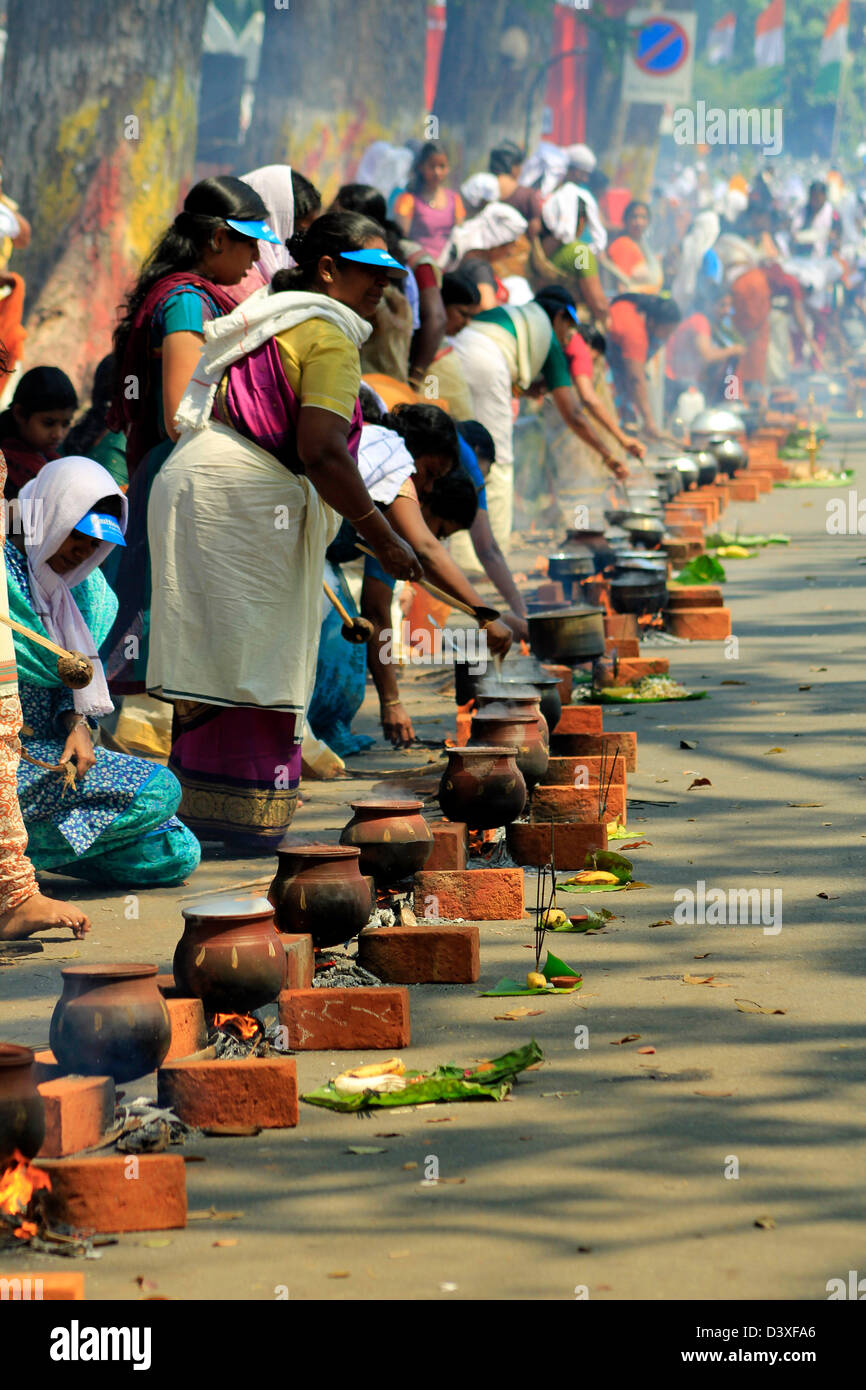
(632, 264)
(239, 520)
(212, 243)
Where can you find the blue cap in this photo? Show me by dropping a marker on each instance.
(380, 260)
(102, 526)
(571, 310)
(257, 231)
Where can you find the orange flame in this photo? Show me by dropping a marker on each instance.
(650, 620)
(243, 1024)
(524, 648)
(17, 1185)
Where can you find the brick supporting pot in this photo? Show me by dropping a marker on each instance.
(681, 551)
(257, 1092)
(574, 745)
(700, 624)
(188, 1027)
(299, 959)
(477, 895)
(620, 625)
(634, 669)
(576, 804)
(566, 681)
(46, 1066)
(353, 1020)
(744, 490)
(623, 646)
(449, 845)
(579, 719)
(117, 1192)
(422, 954)
(577, 772)
(79, 1111)
(694, 596)
(531, 844)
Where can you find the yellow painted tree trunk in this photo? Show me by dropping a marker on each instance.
(98, 118)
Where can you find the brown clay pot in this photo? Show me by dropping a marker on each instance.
(518, 730)
(482, 786)
(22, 1112)
(394, 839)
(110, 1020)
(515, 699)
(319, 889)
(230, 955)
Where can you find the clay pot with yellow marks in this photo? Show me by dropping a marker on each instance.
(230, 955)
(483, 787)
(394, 839)
(319, 889)
(110, 1020)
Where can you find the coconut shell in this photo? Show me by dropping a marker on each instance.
(75, 670)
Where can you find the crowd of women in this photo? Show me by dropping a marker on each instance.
(292, 388)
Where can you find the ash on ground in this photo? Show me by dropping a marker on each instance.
(228, 1045)
(344, 972)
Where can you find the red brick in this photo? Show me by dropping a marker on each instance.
(683, 531)
(46, 1066)
(117, 1192)
(700, 624)
(743, 490)
(694, 596)
(574, 745)
(762, 476)
(700, 512)
(579, 719)
(246, 1091)
(779, 472)
(449, 845)
(300, 960)
(681, 551)
(623, 646)
(566, 679)
(762, 451)
(577, 804)
(620, 625)
(563, 772)
(188, 1027)
(596, 591)
(167, 987)
(477, 895)
(550, 592)
(58, 1286)
(706, 498)
(79, 1110)
(530, 844)
(348, 1020)
(634, 670)
(422, 955)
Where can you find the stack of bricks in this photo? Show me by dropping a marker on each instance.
(564, 820)
(696, 612)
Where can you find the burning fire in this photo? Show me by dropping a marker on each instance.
(17, 1185)
(478, 839)
(650, 620)
(524, 648)
(244, 1025)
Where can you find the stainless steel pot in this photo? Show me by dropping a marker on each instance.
(568, 635)
(708, 467)
(715, 424)
(730, 456)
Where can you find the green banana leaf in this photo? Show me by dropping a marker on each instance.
(704, 569)
(507, 988)
(609, 697)
(485, 1081)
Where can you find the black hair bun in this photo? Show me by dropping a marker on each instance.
(296, 241)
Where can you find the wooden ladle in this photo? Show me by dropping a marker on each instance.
(73, 668)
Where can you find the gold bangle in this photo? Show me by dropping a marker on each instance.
(386, 704)
(359, 519)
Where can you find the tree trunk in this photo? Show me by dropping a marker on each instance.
(97, 128)
(492, 54)
(332, 79)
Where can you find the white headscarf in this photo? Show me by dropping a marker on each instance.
(560, 215)
(581, 157)
(495, 225)
(273, 183)
(479, 189)
(52, 504)
(546, 167)
(698, 240)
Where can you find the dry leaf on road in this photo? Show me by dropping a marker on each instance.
(629, 1037)
(645, 1051)
(774, 750)
(517, 1013)
(766, 1223)
(364, 1149)
(699, 782)
(221, 1243)
(828, 896)
(748, 1006)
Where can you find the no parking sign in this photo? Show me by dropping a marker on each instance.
(659, 58)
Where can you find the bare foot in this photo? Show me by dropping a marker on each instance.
(42, 914)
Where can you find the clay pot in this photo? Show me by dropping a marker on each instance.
(230, 955)
(394, 839)
(110, 1020)
(516, 699)
(319, 889)
(520, 730)
(528, 671)
(22, 1113)
(482, 786)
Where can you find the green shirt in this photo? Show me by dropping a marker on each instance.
(554, 368)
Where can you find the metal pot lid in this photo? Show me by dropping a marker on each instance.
(564, 614)
(717, 421)
(397, 805)
(227, 905)
(508, 690)
(483, 750)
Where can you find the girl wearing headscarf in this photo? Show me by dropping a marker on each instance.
(114, 822)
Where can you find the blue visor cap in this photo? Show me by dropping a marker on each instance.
(377, 260)
(573, 313)
(256, 231)
(102, 527)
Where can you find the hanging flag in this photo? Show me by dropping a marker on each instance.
(437, 22)
(834, 47)
(720, 40)
(770, 35)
